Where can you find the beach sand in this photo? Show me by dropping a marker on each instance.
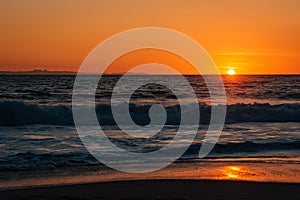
(159, 189)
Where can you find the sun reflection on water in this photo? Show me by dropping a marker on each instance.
(233, 172)
(234, 168)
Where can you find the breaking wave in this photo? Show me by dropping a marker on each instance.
(15, 113)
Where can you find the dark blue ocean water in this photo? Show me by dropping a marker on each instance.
(37, 130)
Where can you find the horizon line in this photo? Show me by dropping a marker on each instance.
(47, 72)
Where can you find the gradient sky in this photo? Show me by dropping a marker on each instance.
(255, 37)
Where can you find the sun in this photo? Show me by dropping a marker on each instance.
(231, 72)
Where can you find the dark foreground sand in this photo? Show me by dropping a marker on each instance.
(159, 189)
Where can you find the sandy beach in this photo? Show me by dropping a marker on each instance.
(160, 189)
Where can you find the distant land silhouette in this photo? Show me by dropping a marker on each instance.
(38, 71)
(46, 72)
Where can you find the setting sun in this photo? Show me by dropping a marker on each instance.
(231, 72)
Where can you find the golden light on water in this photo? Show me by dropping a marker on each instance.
(232, 175)
(235, 168)
(232, 172)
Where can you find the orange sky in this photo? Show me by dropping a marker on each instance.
(256, 37)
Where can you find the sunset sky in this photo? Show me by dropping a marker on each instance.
(253, 37)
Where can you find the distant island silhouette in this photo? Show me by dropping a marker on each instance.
(47, 72)
(38, 71)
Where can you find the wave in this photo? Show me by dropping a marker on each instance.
(246, 147)
(45, 161)
(15, 113)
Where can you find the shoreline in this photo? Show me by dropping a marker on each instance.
(201, 171)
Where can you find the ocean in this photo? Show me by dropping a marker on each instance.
(37, 130)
